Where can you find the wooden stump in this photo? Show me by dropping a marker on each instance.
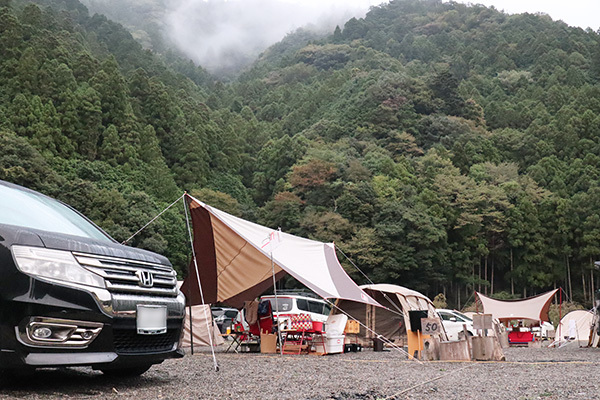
(431, 349)
(487, 348)
(455, 351)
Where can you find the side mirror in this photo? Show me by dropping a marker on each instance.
(453, 319)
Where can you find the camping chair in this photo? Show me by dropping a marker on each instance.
(265, 317)
(252, 335)
(238, 335)
(295, 335)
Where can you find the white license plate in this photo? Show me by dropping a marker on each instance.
(151, 320)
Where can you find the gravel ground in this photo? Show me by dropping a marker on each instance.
(528, 373)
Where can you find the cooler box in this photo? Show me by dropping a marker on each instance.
(336, 324)
(332, 341)
(331, 344)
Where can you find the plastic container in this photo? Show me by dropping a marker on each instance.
(317, 326)
(331, 344)
(377, 344)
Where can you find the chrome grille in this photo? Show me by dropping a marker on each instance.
(123, 275)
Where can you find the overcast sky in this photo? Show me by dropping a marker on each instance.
(223, 34)
(220, 34)
(582, 13)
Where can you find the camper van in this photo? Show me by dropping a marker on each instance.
(294, 304)
(70, 295)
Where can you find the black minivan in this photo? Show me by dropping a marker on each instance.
(70, 295)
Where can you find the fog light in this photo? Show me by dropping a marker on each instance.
(57, 332)
(87, 335)
(42, 333)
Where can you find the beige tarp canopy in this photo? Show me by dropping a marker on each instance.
(393, 320)
(533, 308)
(235, 261)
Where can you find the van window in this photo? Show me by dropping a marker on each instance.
(312, 306)
(315, 307)
(283, 304)
(33, 210)
(302, 304)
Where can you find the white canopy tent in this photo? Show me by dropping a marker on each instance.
(532, 308)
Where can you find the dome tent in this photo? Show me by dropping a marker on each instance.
(392, 321)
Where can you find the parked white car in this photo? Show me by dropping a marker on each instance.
(294, 304)
(453, 322)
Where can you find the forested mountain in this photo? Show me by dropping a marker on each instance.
(442, 147)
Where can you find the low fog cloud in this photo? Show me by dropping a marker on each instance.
(221, 35)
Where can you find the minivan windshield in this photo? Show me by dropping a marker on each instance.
(33, 210)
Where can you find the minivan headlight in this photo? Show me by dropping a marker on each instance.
(54, 264)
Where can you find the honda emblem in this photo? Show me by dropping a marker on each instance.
(145, 278)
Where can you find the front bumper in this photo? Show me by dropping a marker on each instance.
(116, 344)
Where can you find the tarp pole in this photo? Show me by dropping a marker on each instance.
(559, 315)
(276, 304)
(191, 329)
(208, 327)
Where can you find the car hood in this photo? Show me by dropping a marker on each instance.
(10, 235)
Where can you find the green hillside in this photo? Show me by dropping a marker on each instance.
(443, 147)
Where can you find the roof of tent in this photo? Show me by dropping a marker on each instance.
(533, 308)
(401, 290)
(237, 258)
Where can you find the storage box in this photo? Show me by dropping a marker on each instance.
(352, 326)
(331, 344)
(268, 343)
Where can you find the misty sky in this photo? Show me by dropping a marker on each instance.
(223, 34)
(582, 13)
(220, 34)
